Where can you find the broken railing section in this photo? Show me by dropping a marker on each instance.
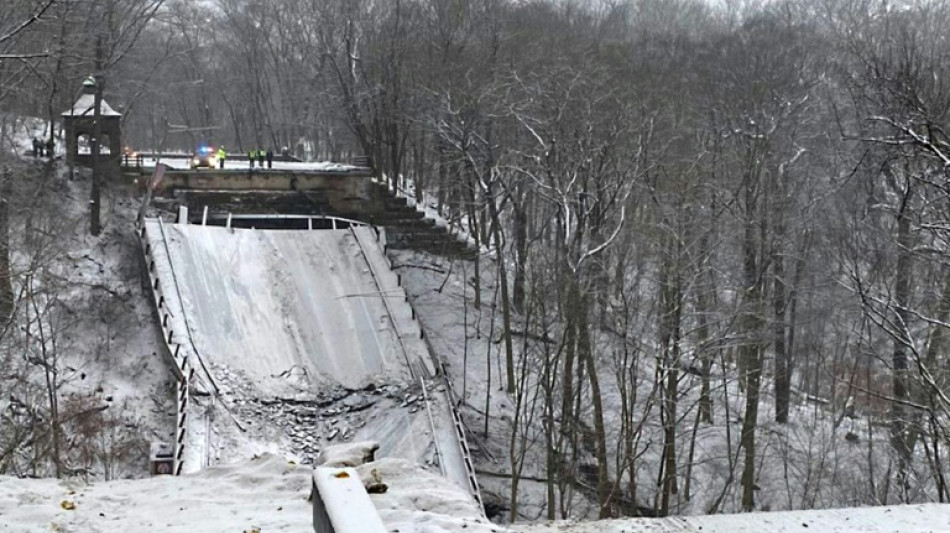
(178, 357)
(462, 439)
(426, 370)
(341, 503)
(441, 373)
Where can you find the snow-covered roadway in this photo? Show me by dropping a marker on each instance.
(183, 162)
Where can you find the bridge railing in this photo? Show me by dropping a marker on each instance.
(453, 402)
(334, 221)
(178, 357)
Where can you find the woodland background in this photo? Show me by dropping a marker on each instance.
(703, 222)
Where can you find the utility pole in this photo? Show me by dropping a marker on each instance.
(95, 226)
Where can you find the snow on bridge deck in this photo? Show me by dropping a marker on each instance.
(274, 303)
(297, 312)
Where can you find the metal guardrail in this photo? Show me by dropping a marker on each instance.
(413, 370)
(464, 448)
(463, 440)
(335, 222)
(179, 360)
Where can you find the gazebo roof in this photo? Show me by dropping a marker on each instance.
(85, 107)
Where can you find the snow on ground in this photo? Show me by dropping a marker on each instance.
(106, 344)
(820, 459)
(269, 494)
(266, 493)
(891, 519)
(421, 502)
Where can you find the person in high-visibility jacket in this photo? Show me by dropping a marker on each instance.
(251, 156)
(222, 155)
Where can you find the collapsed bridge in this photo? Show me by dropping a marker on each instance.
(300, 337)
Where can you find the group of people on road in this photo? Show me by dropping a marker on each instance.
(260, 156)
(39, 146)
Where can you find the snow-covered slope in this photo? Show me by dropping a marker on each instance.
(888, 519)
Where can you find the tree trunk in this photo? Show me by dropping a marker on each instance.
(669, 346)
(703, 308)
(476, 235)
(750, 351)
(600, 432)
(520, 222)
(6, 283)
(503, 280)
(782, 383)
(753, 356)
(900, 426)
(568, 425)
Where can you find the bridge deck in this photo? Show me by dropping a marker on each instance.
(179, 164)
(290, 312)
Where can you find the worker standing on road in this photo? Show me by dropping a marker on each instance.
(222, 155)
(251, 156)
(270, 158)
(260, 158)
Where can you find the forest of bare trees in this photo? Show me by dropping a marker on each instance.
(715, 229)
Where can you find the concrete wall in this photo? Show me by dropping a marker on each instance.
(344, 192)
